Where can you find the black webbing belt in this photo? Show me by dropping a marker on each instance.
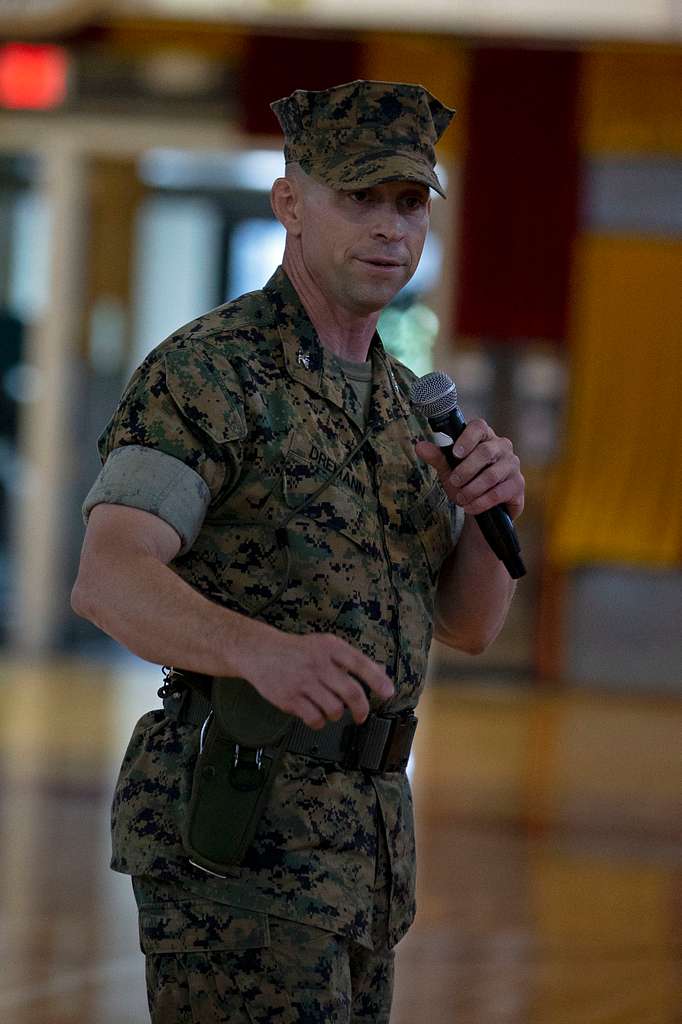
(381, 744)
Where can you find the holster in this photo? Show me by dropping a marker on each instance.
(241, 746)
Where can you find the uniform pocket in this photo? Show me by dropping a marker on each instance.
(204, 397)
(341, 505)
(209, 961)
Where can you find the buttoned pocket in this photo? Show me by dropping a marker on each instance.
(214, 961)
(340, 503)
(334, 544)
(204, 397)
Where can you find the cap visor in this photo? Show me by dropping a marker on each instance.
(368, 170)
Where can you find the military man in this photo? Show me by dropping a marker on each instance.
(268, 511)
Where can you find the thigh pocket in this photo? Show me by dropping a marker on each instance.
(226, 958)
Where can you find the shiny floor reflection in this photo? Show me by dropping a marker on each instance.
(548, 830)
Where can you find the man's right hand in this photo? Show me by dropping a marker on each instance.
(316, 676)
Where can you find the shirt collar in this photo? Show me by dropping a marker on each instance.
(308, 362)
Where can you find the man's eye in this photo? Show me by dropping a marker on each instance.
(361, 196)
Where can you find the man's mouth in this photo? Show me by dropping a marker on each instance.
(377, 262)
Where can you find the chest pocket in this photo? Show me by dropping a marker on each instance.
(343, 505)
(203, 398)
(432, 521)
(332, 551)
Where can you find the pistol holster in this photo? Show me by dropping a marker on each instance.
(241, 746)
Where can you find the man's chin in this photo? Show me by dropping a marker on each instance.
(373, 299)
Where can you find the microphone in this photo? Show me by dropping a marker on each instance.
(435, 396)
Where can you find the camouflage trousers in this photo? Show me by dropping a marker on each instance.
(211, 963)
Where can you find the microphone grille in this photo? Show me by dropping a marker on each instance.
(434, 394)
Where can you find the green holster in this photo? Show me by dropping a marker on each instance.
(241, 746)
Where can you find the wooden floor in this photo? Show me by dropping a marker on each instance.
(550, 888)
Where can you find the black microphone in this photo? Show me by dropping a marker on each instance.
(435, 396)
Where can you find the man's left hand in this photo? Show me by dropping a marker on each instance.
(489, 473)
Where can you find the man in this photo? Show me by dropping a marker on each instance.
(267, 512)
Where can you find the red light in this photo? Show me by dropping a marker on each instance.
(32, 77)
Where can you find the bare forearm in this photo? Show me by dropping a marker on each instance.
(474, 594)
(125, 587)
(149, 609)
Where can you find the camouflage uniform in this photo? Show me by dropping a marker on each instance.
(224, 431)
(208, 961)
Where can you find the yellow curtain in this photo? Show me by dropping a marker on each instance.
(631, 100)
(618, 493)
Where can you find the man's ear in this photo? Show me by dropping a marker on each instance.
(285, 200)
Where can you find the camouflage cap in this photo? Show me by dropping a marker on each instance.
(364, 133)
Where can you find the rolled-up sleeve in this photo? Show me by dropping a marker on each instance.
(174, 444)
(154, 482)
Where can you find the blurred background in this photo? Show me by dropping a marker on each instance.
(137, 149)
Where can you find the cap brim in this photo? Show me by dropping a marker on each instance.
(367, 170)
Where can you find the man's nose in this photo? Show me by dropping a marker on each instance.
(389, 223)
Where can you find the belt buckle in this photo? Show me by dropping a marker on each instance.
(386, 743)
(397, 752)
(381, 743)
(374, 739)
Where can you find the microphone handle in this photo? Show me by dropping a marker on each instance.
(495, 523)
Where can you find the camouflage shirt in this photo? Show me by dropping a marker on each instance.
(248, 400)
